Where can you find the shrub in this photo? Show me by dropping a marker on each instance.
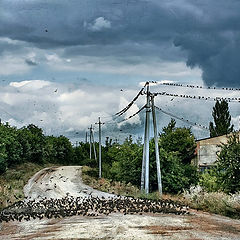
(208, 181)
(215, 202)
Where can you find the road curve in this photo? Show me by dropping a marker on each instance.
(57, 182)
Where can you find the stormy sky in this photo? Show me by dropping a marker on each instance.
(63, 63)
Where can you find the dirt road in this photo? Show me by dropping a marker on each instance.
(57, 182)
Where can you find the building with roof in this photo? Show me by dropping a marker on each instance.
(207, 149)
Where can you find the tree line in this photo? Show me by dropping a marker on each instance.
(123, 162)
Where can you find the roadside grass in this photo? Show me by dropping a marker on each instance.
(196, 198)
(89, 177)
(13, 181)
(214, 202)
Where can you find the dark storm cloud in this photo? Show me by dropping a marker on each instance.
(30, 62)
(206, 31)
(8, 46)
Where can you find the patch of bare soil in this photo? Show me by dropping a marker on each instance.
(164, 230)
(215, 224)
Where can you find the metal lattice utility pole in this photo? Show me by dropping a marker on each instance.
(159, 177)
(145, 162)
(100, 146)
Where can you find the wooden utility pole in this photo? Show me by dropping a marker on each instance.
(100, 146)
(159, 177)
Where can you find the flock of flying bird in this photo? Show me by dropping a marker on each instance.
(88, 206)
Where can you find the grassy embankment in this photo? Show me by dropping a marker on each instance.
(196, 198)
(13, 181)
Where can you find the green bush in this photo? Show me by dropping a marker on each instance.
(3, 165)
(208, 181)
(228, 165)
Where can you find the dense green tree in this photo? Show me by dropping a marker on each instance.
(64, 150)
(81, 154)
(126, 162)
(3, 159)
(178, 140)
(228, 164)
(127, 165)
(10, 144)
(222, 120)
(32, 140)
(176, 175)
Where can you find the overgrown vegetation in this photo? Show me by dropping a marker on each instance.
(27, 150)
(225, 176)
(215, 202)
(29, 144)
(13, 181)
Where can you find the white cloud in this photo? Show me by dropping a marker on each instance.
(72, 109)
(236, 122)
(134, 108)
(30, 85)
(13, 65)
(98, 25)
(152, 68)
(53, 58)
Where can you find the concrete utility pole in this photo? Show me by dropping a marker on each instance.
(156, 146)
(100, 147)
(144, 157)
(90, 141)
(94, 149)
(86, 138)
(145, 162)
(148, 110)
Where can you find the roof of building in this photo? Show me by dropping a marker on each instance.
(198, 140)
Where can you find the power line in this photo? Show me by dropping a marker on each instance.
(126, 119)
(182, 119)
(233, 99)
(132, 102)
(196, 86)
